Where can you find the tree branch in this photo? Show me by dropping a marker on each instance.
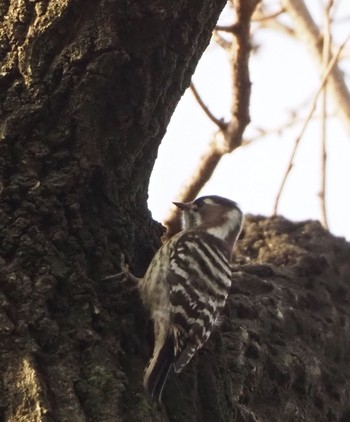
(260, 16)
(232, 29)
(307, 31)
(230, 135)
(278, 130)
(328, 71)
(221, 41)
(220, 123)
(326, 56)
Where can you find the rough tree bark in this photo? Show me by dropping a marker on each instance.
(87, 88)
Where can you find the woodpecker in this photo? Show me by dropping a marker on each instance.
(187, 283)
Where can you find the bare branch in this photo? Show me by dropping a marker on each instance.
(327, 72)
(230, 135)
(202, 174)
(232, 29)
(241, 84)
(326, 56)
(220, 123)
(278, 129)
(221, 41)
(278, 26)
(307, 30)
(260, 16)
(266, 19)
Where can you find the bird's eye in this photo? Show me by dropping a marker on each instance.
(198, 204)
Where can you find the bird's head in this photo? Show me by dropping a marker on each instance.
(218, 216)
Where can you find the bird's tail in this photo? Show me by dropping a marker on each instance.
(184, 357)
(157, 370)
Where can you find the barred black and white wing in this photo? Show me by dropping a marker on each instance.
(199, 281)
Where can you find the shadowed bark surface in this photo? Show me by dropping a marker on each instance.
(87, 89)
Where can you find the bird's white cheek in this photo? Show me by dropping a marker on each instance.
(219, 231)
(190, 220)
(185, 221)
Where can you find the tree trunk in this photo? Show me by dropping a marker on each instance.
(87, 88)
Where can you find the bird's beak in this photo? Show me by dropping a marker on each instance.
(183, 205)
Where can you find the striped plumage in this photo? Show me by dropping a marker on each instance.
(187, 283)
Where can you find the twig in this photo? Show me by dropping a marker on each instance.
(220, 123)
(232, 29)
(277, 26)
(307, 31)
(259, 16)
(327, 41)
(265, 19)
(278, 129)
(221, 41)
(327, 72)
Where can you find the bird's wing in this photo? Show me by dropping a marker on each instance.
(199, 282)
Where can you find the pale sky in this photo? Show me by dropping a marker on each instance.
(284, 77)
